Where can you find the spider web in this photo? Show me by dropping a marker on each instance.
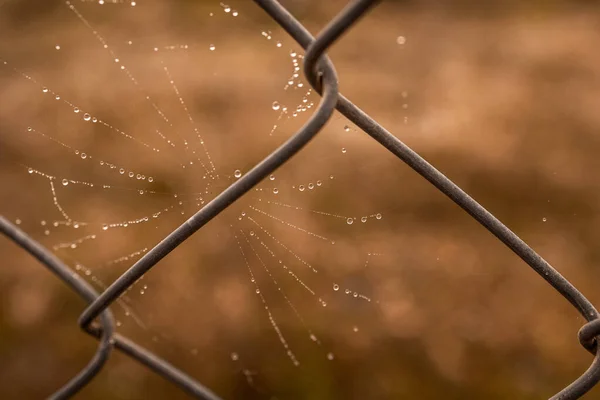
(118, 133)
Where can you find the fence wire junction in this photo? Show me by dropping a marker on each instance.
(97, 319)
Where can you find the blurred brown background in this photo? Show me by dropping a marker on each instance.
(501, 96)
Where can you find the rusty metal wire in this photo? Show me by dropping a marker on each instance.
(320, 73)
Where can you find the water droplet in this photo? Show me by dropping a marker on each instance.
(336, 287)
(45, 90)
(131, 174)
(378, 216)
(544, 219)
(257, 291)
(278, 44)
(234, 13)
(301, 188)
(212, 47)
(87, 117)
(319, 183)
(330, 356)
(234, 356)
(350, 221)
(347, 128)
(344, 150)
(251, 233)
(104, 227)
(65, 182)
(272, 177)
(400, 40)
(275, 190)
(355, 328)
(237, 173)
(311, 186)
(330, 176)
(30, 170)
(57, 47)
(363, 219)
(122, 171)
(94, 119)
(76, 110)
(83, 156)
(57, 97)
(150, 179)
(355, 294)
(276, 105)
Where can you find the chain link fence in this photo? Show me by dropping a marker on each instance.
(321, 74)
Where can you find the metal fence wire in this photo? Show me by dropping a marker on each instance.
(320, 72)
